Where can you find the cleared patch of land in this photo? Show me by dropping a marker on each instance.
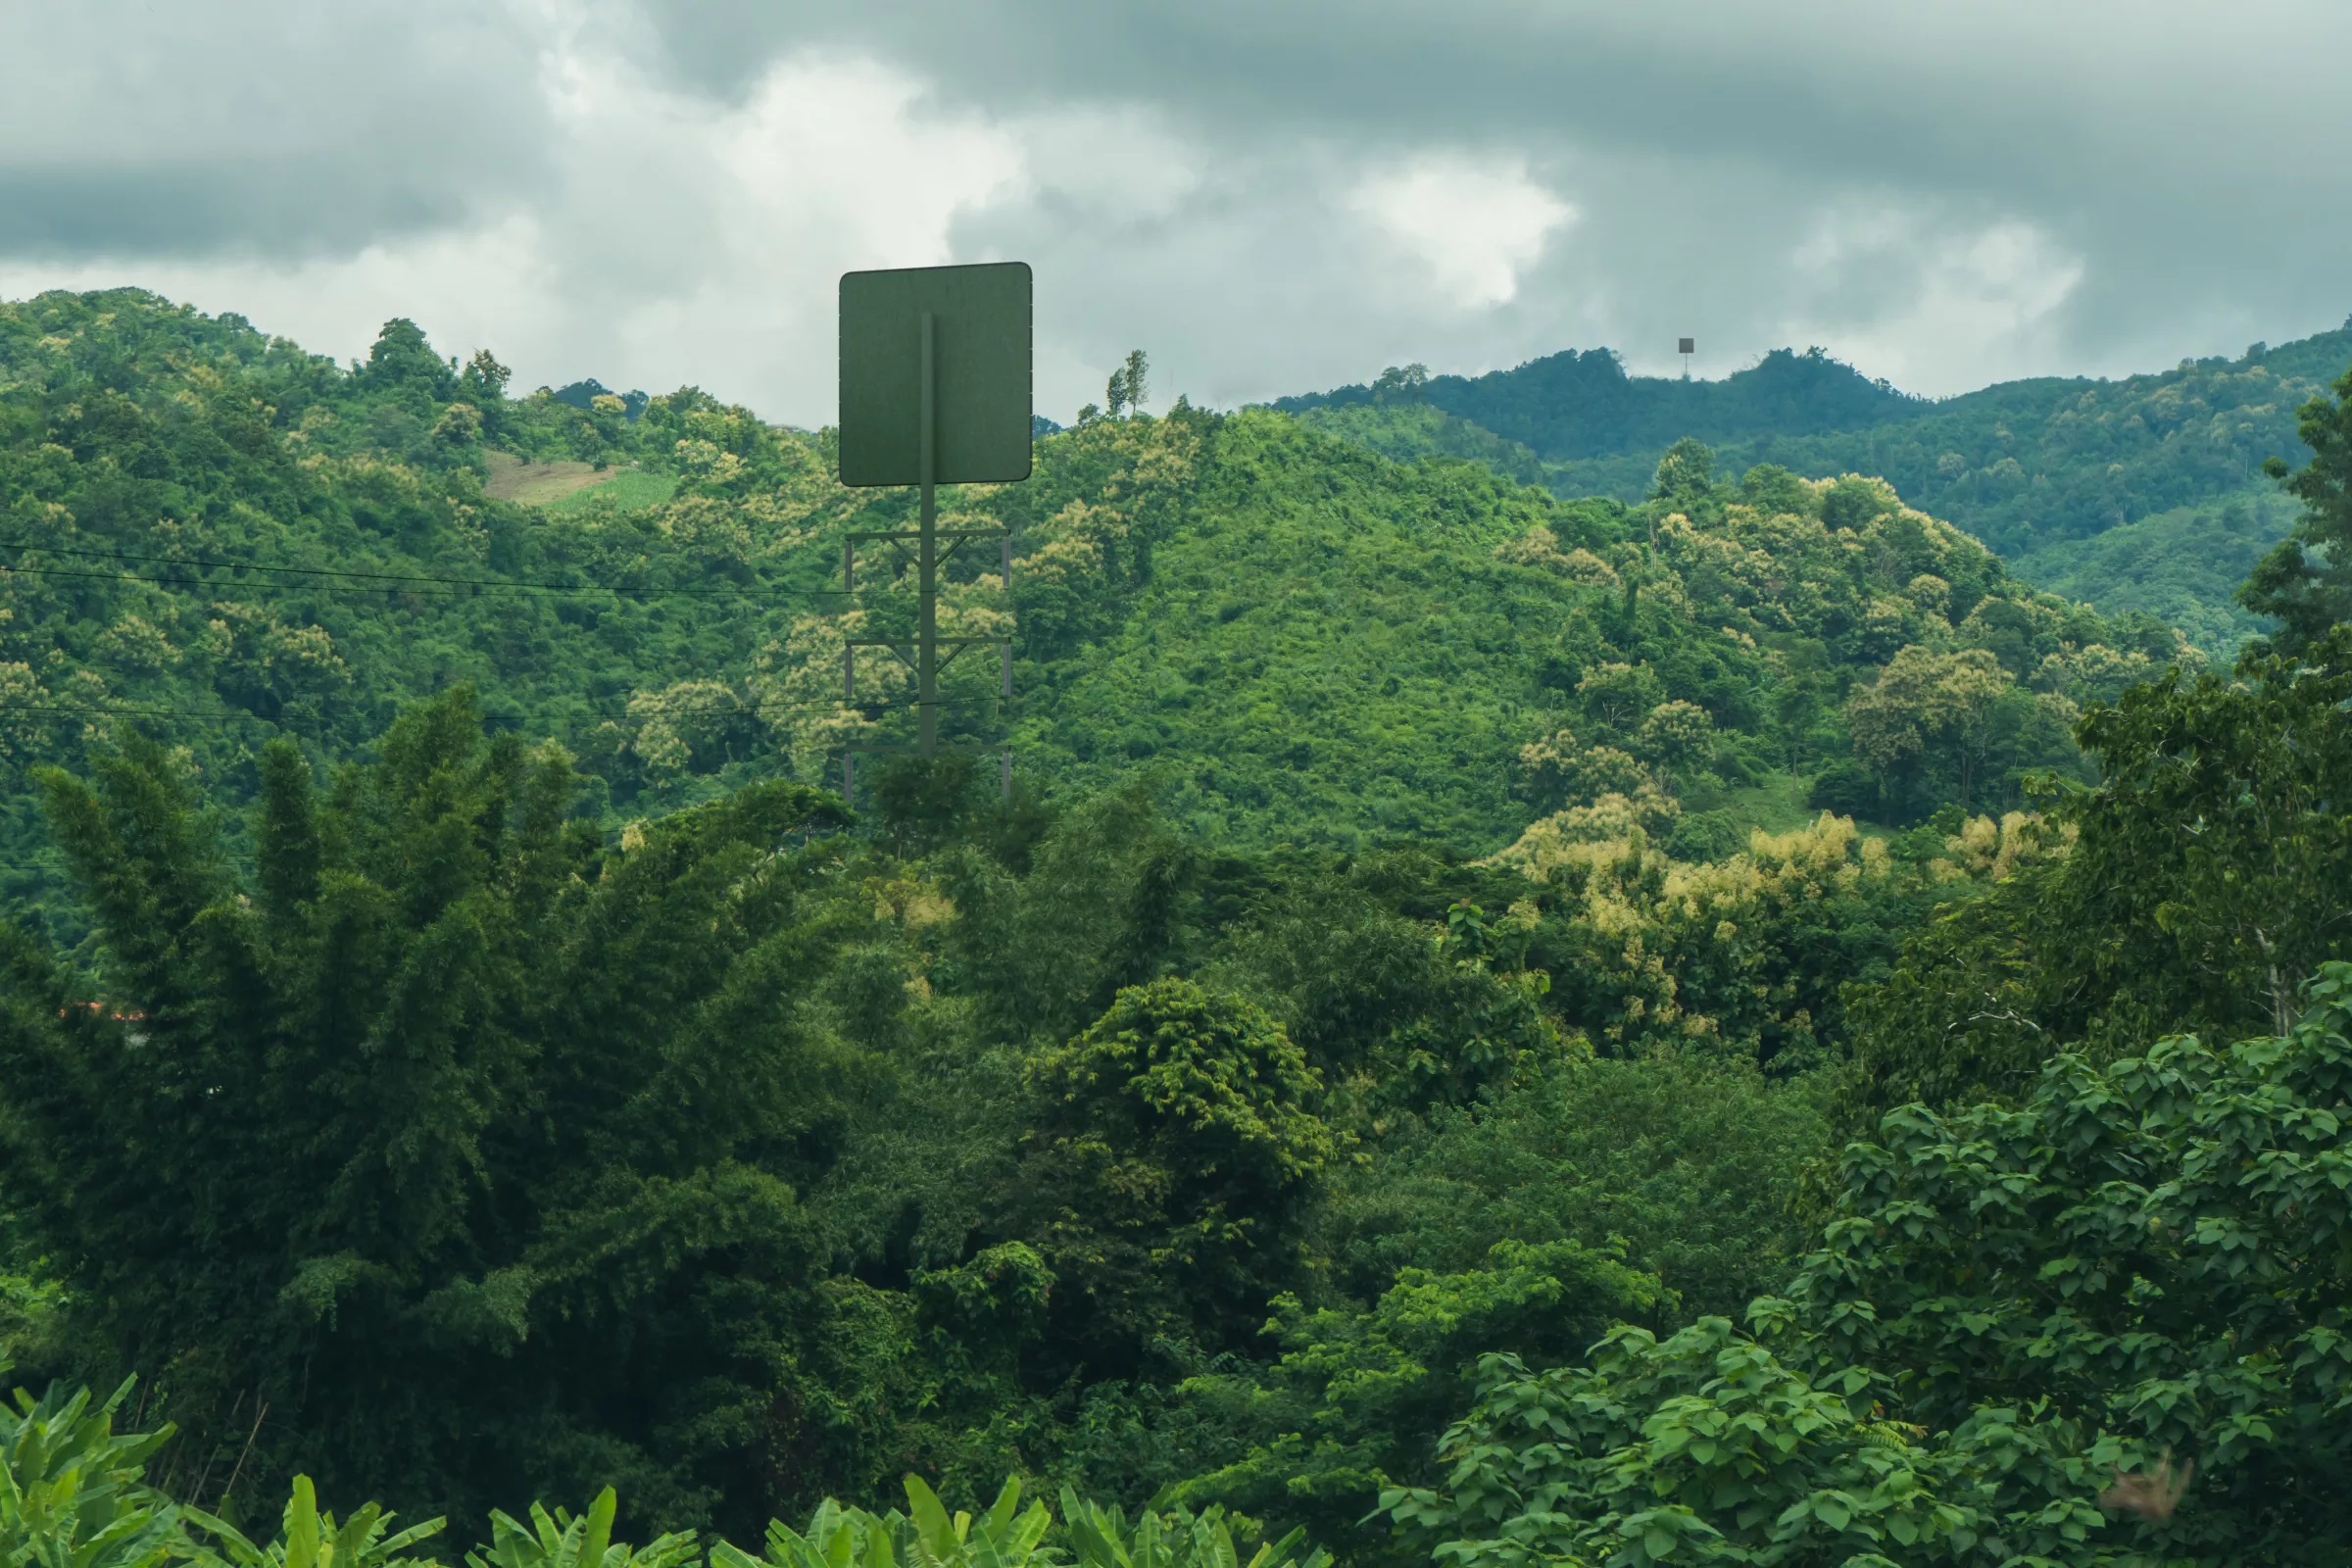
(621, 489)
(1775, 802)
(535, 484)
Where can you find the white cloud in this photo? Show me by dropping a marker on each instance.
(673, 238)
(487, 285)
(656, 191)
(713, 256)
(1934, 301)
(1475, 223)
(261, 127)
(1117, 165)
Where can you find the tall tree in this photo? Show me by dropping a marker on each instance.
(1927, 704)
(2307, 581)
(484, 378)
(402, 361)
(1137, 373)
(1402, 383)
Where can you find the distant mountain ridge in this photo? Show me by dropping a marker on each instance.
(2024, 466)
(1582, 404)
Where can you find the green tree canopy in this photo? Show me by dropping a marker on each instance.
(1171, 1163)
(2138, 1269)
(2206, 872)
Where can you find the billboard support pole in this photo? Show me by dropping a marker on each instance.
(926, 676)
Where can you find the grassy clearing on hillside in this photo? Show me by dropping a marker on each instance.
(623, 490)
(1776, 803)
(535, 484)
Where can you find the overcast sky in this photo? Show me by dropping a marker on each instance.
(1267, 195)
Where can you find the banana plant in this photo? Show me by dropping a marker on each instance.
(1101, 1538)
(310, 1539)
(837, 1537)
(73, 1493)
(925, 1535)
(1007, 1536)
(562, 1539)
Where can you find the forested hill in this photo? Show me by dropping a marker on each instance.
(1367, 1084)
(2033, 467)
(1571, 406)
(215, 537)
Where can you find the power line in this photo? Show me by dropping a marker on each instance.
(257, 566)
(61, 708)
(472, 586)
(495, 585)
(751, 707)
(67, 870)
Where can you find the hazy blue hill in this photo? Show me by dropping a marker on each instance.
(1582, 405)
(2026, 463)
(2321, 356)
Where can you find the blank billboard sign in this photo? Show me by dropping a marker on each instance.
(981, 364)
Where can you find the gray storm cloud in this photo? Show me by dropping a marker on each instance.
(1270, 197)
(271, 126)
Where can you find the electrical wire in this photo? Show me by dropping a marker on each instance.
(425, 585)
(476, 584)
(307, 572)
(752, 707)
(471, 589)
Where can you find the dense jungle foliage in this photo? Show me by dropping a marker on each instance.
(220, 538)
(1720, 1028)
(2043, 470)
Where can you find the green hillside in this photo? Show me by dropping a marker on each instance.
(2182, 566)
(2029, 463)
(1496, 1029)
(2029, 466)
(218, 538)
(1335, 647)
(1411, 431)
